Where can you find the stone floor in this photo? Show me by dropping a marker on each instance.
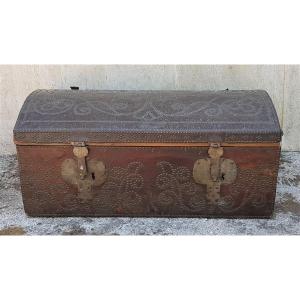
(286, 219)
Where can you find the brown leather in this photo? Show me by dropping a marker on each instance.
(142, 147)
(148, 181)
(65, 116)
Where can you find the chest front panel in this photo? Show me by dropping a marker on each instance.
(149, 181)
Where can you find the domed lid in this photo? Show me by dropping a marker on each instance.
(64, 116)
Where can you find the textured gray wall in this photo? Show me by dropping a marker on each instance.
(281, 82)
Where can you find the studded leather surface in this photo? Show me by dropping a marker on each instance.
(148, 181)
(147, 116)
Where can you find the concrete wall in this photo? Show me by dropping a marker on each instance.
(281, 81)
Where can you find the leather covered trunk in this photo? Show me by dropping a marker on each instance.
(148, 153)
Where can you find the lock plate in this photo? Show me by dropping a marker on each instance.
(83, 173)
(214, 171)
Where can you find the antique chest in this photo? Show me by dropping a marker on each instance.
(148, 153)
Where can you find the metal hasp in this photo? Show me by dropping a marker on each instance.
(81, 151)
(214, 171)
(83, 173)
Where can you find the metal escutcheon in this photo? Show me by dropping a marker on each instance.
(83, 173)
(214, 172)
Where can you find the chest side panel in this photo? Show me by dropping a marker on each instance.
(146, 181)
